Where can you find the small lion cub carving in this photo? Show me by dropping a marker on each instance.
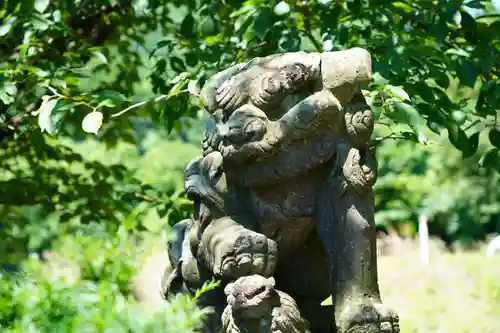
(255, 306)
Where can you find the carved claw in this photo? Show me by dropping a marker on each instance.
(260, 86)
(241, 135)
(172, 283)
(368, 316)
(232, 93)
(232, 251)
(357, 174)
(246, 124)
(359, 122)
(248, 253)
(246, 151)
(250, 150)
(211, 141)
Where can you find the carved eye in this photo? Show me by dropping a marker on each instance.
(294, 76)
(271, 85)
(254, 130)
(256, 292)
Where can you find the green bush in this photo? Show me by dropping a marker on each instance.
(83, 286)
(460, 198)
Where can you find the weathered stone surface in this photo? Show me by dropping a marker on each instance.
(283, 198)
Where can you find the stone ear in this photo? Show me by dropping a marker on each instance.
(228, 289)
(270, 282)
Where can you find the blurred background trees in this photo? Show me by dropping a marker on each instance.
(99, 115)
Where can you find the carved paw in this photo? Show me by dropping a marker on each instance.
(211, 141)
(232, 93)
(246, 124)
(246, 253)
(367, 316)
(251, 150)
(359, 174)
(244, 152)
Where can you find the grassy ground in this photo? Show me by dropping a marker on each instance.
(455, 293)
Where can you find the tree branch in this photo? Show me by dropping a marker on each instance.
(157, 99)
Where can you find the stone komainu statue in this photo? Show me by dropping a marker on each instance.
(283, 189)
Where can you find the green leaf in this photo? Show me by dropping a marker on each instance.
(458, 52)
(379, 80)
(46, 121)
(7, 25)
(327, 302)
(161, 44)
(477, 4)
(343, 35)
(459, 116)
(398, 92)
(140, 5)
(261, 25)
(107, 103)
(161, 65)
(92, 122)
(130, 223)
(487, 89)
(192, 59)
(290, 42)
(72, 80)
(40, 22)
(377, 111)
(243, 22)
(407, 114)
(404, 6)
(442, 80)
(177, 64)
(41, 73)
(467, 22)
(244, 10)
(187, 27)
(214, 40)
(468, 74)
(457, 136)
(101, 57)
(180, 81)
(490, 159)
(110, 98)
(56, 15)
(435, 127)
(207, 27)
(193, 87)
(282, 8)
(471, 147)
(494, 136)
(8, 91)
(41, 5)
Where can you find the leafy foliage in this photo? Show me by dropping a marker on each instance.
(419, 53)
(84, 289)
(87, 187)
(86, 267)
(460, 198)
